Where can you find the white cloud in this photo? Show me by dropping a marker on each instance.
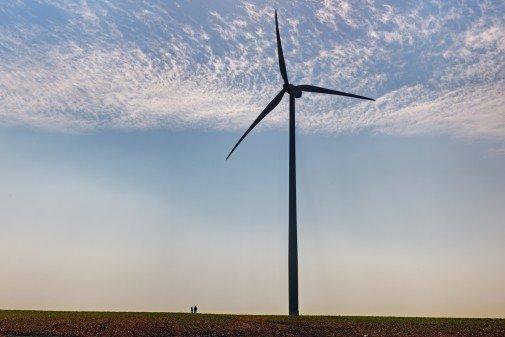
(102, 65)
(498, 152)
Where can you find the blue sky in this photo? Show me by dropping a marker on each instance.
(115, 120)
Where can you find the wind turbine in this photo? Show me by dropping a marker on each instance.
(294, 91)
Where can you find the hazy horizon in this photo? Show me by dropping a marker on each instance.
(160, 221)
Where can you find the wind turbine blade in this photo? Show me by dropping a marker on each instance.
(313, 88)
(262, 115)
(280, 54)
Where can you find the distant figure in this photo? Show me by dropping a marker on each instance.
(195, 309)
(191, 309)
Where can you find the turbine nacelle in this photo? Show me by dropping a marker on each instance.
(292, 90)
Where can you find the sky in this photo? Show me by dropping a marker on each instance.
(116, 118)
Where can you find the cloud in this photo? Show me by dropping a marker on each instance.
(435, 67)
(496, 152)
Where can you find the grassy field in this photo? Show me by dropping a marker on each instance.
(56, 323)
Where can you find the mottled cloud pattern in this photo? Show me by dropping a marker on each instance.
(82, 66)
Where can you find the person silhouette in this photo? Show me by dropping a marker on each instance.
(195, 309)
(191, 309)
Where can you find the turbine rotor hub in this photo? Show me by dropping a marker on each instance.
(293, 90)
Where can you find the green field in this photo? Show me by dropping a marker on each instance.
(57, 323)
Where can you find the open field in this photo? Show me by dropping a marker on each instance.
(55, 323)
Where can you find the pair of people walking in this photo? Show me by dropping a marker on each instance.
(194, 309)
